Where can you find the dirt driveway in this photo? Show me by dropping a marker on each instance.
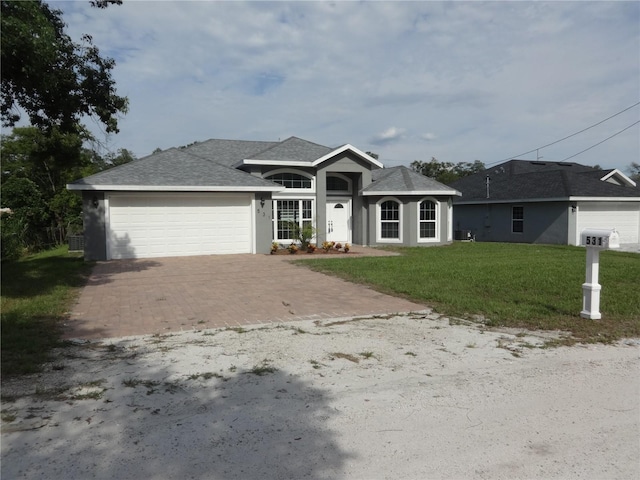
(135, 297)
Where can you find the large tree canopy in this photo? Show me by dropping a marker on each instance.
(446, 172)
(54, 80)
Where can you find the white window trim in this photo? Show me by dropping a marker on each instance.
(518, 219)
(340, 192)
(274, 220)
(435, 239)
(379, 238)
(299, 191)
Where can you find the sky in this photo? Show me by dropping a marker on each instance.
(458, 81)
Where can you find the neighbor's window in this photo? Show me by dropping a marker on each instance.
(291, 180)
(517, 219)
(390, 220)
(427, 219)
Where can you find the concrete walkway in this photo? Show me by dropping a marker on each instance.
(154, 296)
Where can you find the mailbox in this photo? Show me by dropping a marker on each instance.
(595, 239)
(602, 239)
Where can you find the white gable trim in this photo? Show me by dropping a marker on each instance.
(353, 149)
(620, 175)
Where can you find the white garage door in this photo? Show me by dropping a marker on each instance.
(623, 216)
(168, 225)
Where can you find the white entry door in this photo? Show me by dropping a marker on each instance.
(339, 220)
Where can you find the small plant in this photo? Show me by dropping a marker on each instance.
(366, 354)
(411, 354)
(302, 234)
(347, 247)
(337, 246)
(274, 247)
(311, 248)
(293, 248)
(326, 246)
(263, 369)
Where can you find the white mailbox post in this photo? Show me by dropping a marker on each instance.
(595, 240)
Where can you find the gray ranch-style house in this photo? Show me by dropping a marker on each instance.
(235, 196)
(527, 201)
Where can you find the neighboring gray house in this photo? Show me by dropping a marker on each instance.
(233, 196)
(545, 202)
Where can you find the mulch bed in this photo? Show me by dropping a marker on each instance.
(318, 251)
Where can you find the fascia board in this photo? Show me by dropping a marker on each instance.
(171, 188)
(513, 200)
(560, 199)
(277, 163)
(604, 199)
(411, 193)
(344, 148)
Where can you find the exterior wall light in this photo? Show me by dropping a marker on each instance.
(95, 202)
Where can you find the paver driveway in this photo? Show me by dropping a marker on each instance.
(134, 297)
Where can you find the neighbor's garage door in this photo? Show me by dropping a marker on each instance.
(623, 216)
(166, 225)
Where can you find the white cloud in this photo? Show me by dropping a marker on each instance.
(391, 134)
(429, 136)
(493, 79)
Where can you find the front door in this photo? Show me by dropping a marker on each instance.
(339, 220)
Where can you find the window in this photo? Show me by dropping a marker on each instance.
(427, 220)
(517, 219)
(291, 180)
(287, 212)
(338, 184)
(389, 212)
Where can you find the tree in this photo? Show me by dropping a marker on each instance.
(46, 162)
(634, 171)
(52, 79)
(446, 172)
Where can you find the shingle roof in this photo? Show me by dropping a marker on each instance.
(228, 152)
(527, 180)
(174, 168)
(402, 180)
(292, 149)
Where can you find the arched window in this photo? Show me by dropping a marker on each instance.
(389, 220)
(291, 180)
(338, 183)
(427, 221)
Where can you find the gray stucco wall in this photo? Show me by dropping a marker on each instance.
(545, 222)
(95, 247)
(409, 224)
(264, 224)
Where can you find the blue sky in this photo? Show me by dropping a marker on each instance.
(458, 81)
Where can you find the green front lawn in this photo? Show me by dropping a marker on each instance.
(514, 285)
(37, 291)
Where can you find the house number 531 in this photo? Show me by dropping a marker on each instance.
(594, 241)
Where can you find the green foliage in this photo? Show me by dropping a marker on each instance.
(25, 227)
(513, 285)
(303, 234)
(446, 172)
(50, 77)
(634, 171)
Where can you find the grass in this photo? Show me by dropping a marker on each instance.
(37, 291)
(513, 285)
